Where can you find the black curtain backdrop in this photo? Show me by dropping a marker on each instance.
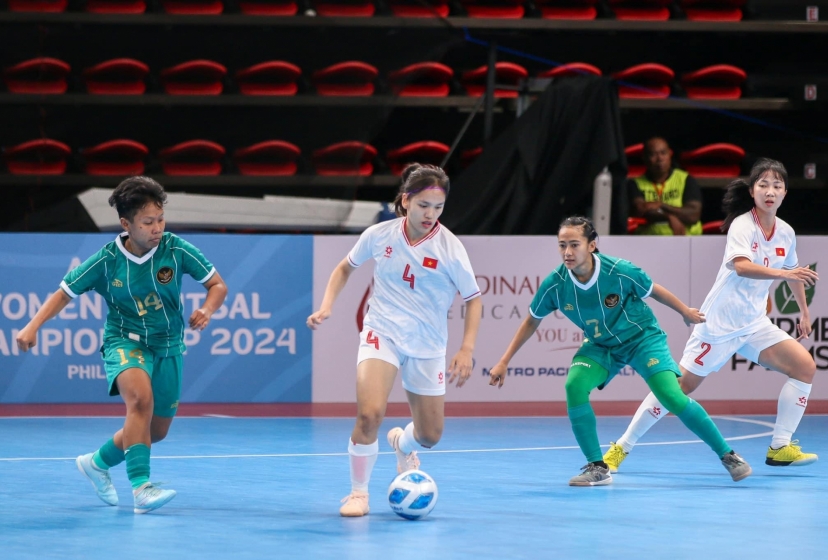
(542, 168)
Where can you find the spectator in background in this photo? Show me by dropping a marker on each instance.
(667, 197)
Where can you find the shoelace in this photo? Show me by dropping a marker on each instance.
(355, 496)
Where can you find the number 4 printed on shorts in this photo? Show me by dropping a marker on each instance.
(705, 349)
(371, 339)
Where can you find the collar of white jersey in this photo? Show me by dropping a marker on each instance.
(431, 234)
(759, 225)
(137, 260)
(592, 280)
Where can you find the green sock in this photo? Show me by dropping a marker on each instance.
(138, 464)
(699, 422)
(584, 427)
(108, 455)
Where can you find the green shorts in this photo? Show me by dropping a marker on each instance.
(165, 373)
(647, 354)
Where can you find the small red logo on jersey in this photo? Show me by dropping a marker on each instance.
(388, 251)
(755, 246)
(428, 262)
(780, 251)
(440, 377)
(803, 402)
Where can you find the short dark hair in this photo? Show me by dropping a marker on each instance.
(134, 193)
(417, 177)
(650, 139)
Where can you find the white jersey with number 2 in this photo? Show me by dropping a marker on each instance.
(414, 285)
(736, 306)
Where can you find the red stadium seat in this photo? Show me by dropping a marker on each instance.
(345, 158)
(712, 228)
(38, 75)
(501, 9)
(641, 10)
(43, 6)
(505, 73)
(644, 81)
(194, 157)
(720, 81)
(123, 76)
(571, 69)
(635, 160)
(193, 7)
(344, 8)
(713, 10)
(115, 157)
(269, 7)
(415, 8)
(196, 77)
(467, 157)
(116, 6)
(37, 157)
(272, 157)
(275, 77)
(633, 223)
(421, 152)
(713, 160)
(346, 78)
(424, 79)
(568, 9)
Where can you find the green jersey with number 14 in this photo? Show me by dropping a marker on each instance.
(143, 294)
(609, 307)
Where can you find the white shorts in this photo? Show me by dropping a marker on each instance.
(703, 358)
(419, 376)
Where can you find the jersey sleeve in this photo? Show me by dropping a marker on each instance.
(545, 300)
(462, 274)
(633, 191)
(193, 261)
(692, 191)
(364, 248)
(85, 276)
(739, 240)
(640, 282)
(791, 259)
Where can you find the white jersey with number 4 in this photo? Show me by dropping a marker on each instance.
(736, 305)
(414, 285)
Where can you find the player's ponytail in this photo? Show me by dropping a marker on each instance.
(586, 223)
(417, 177)
(738, 198)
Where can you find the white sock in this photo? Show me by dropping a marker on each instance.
(650, 412)
(792, 402)
(362, 458)
(407, 442)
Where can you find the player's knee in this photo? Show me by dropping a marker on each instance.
(430, 436)
(369, 419)
(138, 402)
(575, 390)
(806, 372)
(158, 434)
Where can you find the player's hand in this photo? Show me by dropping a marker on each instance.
(315, 319)
(27, 338)
(460, 367)
(199, 319)
(804, 327)
(693, 316)
(497, 375)
(802, 274)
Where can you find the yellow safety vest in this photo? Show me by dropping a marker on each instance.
(670, 192)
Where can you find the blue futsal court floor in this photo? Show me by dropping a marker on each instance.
(270, 488)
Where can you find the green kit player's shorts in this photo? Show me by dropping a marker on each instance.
(165, 373)
(648, 354)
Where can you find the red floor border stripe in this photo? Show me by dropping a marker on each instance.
(348, 410)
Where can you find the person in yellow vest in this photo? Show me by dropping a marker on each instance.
(667, 197)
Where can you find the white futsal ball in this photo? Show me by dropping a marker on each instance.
(412, 495)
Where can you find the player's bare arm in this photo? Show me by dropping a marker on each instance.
(461, 365)
(216, 293)
(497, 375)
(27, 338)
(664, 296)
(747, 269)
(339, 277)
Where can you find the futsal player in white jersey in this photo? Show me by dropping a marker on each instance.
(419, 268)
(760, 248)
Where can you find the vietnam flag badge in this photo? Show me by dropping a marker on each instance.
(780, 251)
(428, 262)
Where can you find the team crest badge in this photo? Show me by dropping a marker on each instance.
(612, 300)
(164, 275)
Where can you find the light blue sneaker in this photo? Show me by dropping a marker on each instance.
(99, 479)
(149, 497)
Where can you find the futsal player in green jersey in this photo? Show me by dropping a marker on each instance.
(604, 296)
(139, 276)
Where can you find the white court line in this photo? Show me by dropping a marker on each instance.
(495, 450)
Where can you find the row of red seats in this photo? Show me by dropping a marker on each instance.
(708, 228)
(46, 156)
(635, 10)
(278, 157)
(355, 78)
